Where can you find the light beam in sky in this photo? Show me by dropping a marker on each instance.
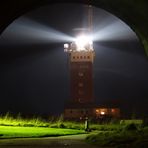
(26, 31)
(114, 31)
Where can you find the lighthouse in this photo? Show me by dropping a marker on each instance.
(81, 54)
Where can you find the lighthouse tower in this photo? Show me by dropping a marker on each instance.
(81, 57)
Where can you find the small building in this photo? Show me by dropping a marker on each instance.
(81, 112)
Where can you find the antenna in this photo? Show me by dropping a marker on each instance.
(90, 17)
(84, 42)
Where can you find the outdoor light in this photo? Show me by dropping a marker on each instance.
(97, 110)
(102, 113)
(66, 45)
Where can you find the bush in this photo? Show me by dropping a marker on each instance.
(131, 127)
(61, 125)
(119, 139)
(145, 122)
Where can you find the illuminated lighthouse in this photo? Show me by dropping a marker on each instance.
(81, 57)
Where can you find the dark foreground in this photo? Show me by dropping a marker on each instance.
(76, 141)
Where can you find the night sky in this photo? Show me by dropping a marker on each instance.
(34, 68)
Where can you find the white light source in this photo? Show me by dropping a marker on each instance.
(102, 113)
(66, 46)
(84, 43)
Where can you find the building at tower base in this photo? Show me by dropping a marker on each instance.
(79, 112)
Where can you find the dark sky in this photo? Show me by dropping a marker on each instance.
(34, 68)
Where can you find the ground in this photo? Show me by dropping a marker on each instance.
(73, 141)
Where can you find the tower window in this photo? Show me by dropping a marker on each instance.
(80, 92)
(84, 66)
(80, 74)
(77, 57)
(80, 100)
(73, 57)
(80, 84)
(88, 57)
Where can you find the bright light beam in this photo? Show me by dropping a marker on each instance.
(26, 31)
(114, 32)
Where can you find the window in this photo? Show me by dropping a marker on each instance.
(80, 84)
(84, 66)
(73, 57)
(80, 92)
(80, 100)
(81, 74)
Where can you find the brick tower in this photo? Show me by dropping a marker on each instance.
(81, 76)
(81, 57)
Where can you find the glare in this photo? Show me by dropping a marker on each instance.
(113, 31)
(27, 31)
(83, 41)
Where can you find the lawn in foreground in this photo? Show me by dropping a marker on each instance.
(21, 132)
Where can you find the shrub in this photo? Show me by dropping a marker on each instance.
(130, 127)
(62, 125)
(145, 122)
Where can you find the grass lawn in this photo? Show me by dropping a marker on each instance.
(21, 132)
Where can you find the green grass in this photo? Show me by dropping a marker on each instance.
(9, 120)
(14, 127)
(58, 122)
(21, 132)
(123, 133)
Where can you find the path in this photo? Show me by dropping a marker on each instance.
(74, 141)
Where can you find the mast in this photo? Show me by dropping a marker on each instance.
(90, 18)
